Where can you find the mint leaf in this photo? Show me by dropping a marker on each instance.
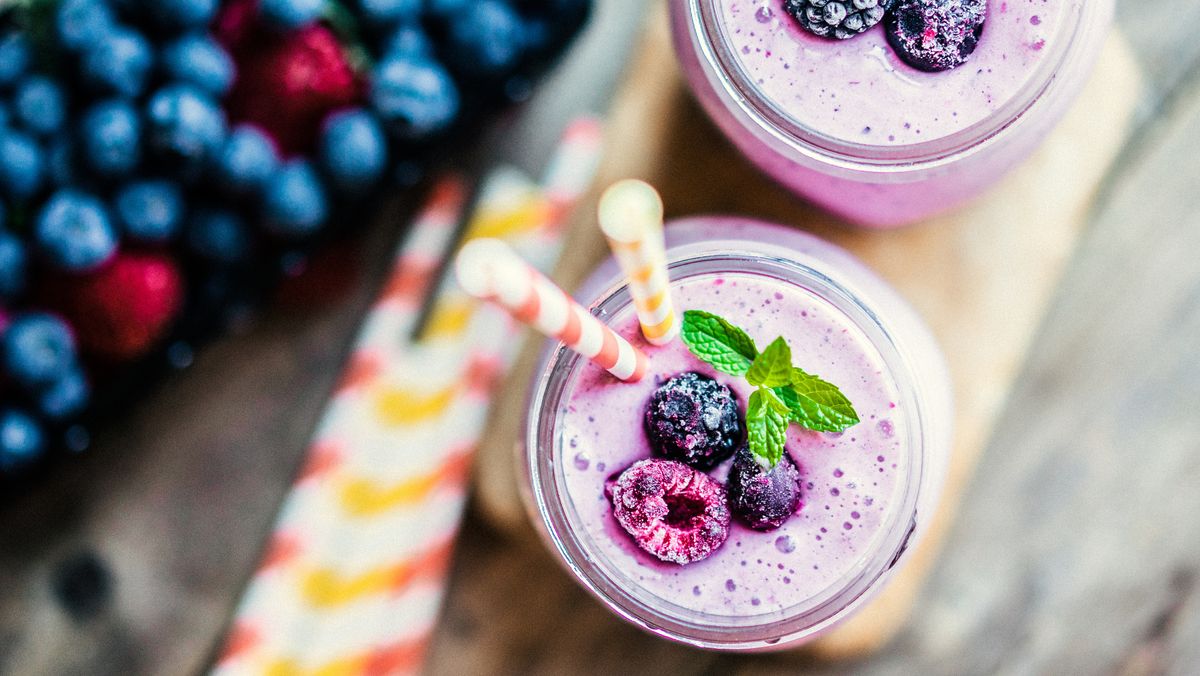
(766, 428)
(775, 402)
(772, 368)
(815, 404)
(718, 343)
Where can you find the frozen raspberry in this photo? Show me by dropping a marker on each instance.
(763, 498)
(671, 510)
(838, 19)
(936, 35)
(695, 420)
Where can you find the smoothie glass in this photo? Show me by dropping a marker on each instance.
(851, 127)
(759, 591)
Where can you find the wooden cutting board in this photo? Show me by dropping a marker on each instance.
(981, 277)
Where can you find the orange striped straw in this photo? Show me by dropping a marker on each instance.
(631, 216)
(491, 270)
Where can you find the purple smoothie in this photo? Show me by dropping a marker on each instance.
(868, 492)
(848, 479)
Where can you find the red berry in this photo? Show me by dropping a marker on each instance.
(288, 85)
(122, 310)
(672, 511)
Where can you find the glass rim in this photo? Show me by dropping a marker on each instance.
(543, 445)
(714, 51)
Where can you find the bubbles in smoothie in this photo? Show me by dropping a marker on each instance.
(582, 462)
(730, 586)
(886, 428)
(785, 544)
(764, 14)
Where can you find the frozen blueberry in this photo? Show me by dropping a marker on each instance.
(695, 420)
(22, 164)
(415, 97)
(14, 264)
(111, 135)
(15, 55)
(671, 511)
(289, 14)
(21, 440)
(39, 105)
(198, 59)
(247, 160)
(485, 38)
(118, 62)
(353, 150)
(67, 397)
(936, 35)
(185, 123)
(218, 235)
(74, 231)
(150, 210)
(763, 498)
(837, 19)
(295, 203)
(81, 23)
(38, 349)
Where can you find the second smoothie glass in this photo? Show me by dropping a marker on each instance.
(699, 248)
(883, 185)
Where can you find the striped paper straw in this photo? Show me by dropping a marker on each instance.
(491, 270)
(631, 216)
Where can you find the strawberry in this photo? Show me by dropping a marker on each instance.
(287, 84)
(122, 310)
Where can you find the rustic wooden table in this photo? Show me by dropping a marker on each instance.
(1077, 549)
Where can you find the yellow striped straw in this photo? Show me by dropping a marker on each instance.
(631, 216)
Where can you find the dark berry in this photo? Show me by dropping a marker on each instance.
(247, 160)
(150, 210)
(38, 349)
(14, 264)
(80, 23)
(353, 150)
(936, 35)
(118, 62)
(289, 14)
(672, 511)
(39, 105)
(74, 231)
(763, 498)
(837, 19)
(695, 420)
(200, 60)
(21, 440)
(415, 97)
(218, 235)
(484, 39)
(295, 203)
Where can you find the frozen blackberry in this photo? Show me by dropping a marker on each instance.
(935, 35)
(671, 511)
(695, 420)
(763, 498)
(837, 19)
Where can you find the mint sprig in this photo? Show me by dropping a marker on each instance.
(783, 393)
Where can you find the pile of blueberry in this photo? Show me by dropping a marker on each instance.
(158, 157)
(669, 505)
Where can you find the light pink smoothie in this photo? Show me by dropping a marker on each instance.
(852, 127)
(866, 492)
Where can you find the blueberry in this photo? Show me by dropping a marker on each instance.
(671, 511)
(81, 23)
(22, 164)
(407, 41)
(837, 19)
(14, 264)
(695, 420)
(74, 231)
(118, 62)
(218, 235)
(15, 56)
(353, 150)
(935, 35)
(198, 59)
(247, 160)
(763, 498)
(38, 349)
(184, 13)
(485, 38)
(185, 123)
(66, 397)
(111, 132)
(390, 12)
(150, 210)
(416, 98)
(39, 105)
(295, 204)
(21, 440)
(289, 14)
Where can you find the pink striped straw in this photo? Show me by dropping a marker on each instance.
(491, 270)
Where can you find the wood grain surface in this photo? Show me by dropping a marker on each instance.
(1075, 549)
